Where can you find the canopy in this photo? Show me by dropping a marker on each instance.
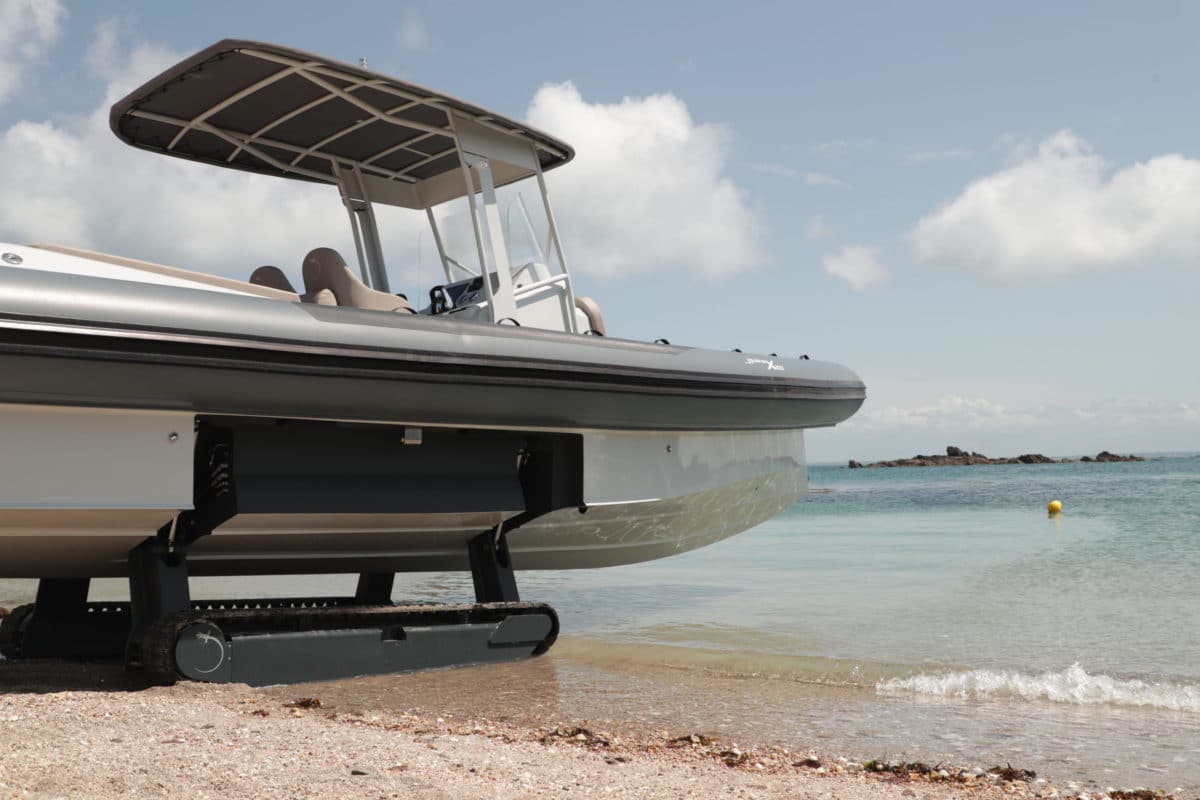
(278, 111)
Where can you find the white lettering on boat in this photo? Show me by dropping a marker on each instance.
(770, 363)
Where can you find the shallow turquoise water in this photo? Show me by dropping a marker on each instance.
(972, 624)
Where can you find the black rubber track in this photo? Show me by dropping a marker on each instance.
(158, 644)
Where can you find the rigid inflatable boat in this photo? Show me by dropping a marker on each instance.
(160, 422)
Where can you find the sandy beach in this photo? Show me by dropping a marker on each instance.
(72, 731)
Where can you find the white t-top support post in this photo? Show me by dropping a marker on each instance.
(437, 240)
(366, 231)
(554, 240)
(489, 239)
(358, 244)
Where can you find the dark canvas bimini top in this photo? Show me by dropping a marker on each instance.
(278, 111)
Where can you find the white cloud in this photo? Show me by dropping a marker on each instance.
(835, 147)
(956, 414)
(28, 28)
(821, 179)
(953, 154)
(647, 188)
(810, 178)
(817, 228)
(1062, 210)
(949, 413)
(857, 265)
(83, 187)
(413, 35)
(102, 52)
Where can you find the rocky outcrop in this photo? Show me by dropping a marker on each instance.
(957, 457)
(1106, 457)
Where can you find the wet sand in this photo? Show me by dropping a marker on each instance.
(70, 730)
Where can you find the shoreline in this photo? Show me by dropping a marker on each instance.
(95, 731)
(957, 457)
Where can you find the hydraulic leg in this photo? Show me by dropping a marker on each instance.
(158, 588)
(61, 623)
(375, 587)
(491, 568)
(62, 597)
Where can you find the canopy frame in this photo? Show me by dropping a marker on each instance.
(275, 110)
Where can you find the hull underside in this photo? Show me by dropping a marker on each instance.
(92, 484)
(96, 542)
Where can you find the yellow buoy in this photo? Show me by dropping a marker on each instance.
(1054, 507)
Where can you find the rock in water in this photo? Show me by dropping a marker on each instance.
(1107, 457)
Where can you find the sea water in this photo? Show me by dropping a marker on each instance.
(961, 620)
(925, 613)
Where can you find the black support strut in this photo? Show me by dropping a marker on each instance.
(375, 587)
(61, 623)
(491, 568)
(158, 588)
(62, 597)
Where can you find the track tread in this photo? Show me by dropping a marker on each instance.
(158, 643)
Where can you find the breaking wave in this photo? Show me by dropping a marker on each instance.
(1071, 685)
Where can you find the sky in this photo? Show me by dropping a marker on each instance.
(991, 214)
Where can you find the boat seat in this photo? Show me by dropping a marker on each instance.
(323, 297)
(272, 277)
(325, 270)
(591, 310)
(275, 279)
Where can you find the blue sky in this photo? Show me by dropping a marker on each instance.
(992, 214)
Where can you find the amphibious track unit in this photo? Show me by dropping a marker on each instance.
(248, 468)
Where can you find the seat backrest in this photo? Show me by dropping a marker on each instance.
(272, 277)
(324, 268)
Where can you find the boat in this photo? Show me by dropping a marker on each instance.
(162, 423)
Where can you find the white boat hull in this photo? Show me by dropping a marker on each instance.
(79, 488)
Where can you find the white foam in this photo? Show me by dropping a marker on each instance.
(1071, 685)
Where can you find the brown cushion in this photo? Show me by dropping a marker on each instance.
(272, 277)
(324, 268)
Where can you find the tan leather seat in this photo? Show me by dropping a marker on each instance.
(325, 270)
(324, 297)
(274, 278)
(271, 277)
